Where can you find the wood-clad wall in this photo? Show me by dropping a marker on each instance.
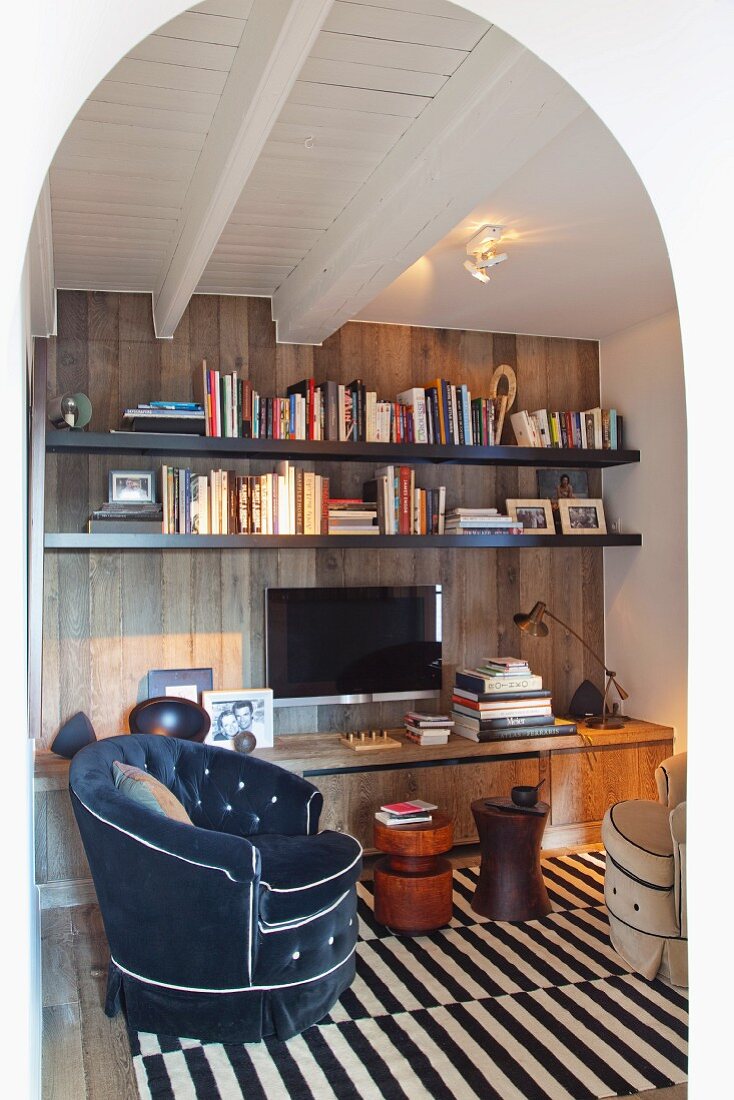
(109, 617)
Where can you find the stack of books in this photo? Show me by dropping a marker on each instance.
(501, 698)
(427, 729)
(595, 429)
(402, 507)
(176, 417)
(415, 812)
(126, 518)
(352, 517)
(481, 521)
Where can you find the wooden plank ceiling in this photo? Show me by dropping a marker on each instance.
(120, 176)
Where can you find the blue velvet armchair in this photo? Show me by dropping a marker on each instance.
(239, 927)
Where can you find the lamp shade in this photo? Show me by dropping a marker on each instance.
(533, 622)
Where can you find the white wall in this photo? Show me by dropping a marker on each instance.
(659, 74)
(646, 589)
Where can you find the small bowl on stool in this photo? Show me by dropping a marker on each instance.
(526, 796)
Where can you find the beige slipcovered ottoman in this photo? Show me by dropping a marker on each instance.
(645, 881)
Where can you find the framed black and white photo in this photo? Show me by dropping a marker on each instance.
(132, 486)
(536, 516)
(237, 712)
(582, 517)
(185, 683)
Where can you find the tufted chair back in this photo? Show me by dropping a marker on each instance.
(250, 904)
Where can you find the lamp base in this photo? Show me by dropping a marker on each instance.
(605, 724)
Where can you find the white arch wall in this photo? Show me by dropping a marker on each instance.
(658, 74)
(646, 591)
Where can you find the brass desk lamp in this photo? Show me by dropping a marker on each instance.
(533, 624)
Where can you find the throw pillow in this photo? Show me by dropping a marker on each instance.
(148, 791)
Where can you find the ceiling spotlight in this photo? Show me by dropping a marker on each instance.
(489, 260)
(476, 271)
(481, 250)
(483, 239)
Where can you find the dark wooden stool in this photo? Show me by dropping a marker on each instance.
(413, 884)
(510, 884)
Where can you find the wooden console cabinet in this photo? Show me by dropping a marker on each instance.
(584, 773)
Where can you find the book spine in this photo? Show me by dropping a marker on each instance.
(325, 484)
(404, 514)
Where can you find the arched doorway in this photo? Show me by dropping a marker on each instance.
(655, 115)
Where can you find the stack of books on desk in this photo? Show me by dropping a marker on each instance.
(501, 698)
(415, 812)
(480, 521)
(427, 729)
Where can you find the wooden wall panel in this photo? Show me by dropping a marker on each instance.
(585, 783)
(110, 617)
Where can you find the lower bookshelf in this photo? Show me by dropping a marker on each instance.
(584, 773)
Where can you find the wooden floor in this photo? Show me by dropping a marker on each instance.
(86, 1056)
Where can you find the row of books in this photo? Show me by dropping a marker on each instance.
(595, 429)
(501, 698)
(288, 501)
(228, 406)
(427, 729)
(402, 507)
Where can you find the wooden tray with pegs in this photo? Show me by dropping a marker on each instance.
(370, 741)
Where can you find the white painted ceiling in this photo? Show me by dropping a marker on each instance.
(586, 257)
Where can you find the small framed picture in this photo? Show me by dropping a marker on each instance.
(536, 516)
(132, 486)
(186, 683)
(582, 517)
(249, 710)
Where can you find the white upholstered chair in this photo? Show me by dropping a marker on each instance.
(645, 882)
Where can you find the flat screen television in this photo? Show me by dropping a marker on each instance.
(353, 645)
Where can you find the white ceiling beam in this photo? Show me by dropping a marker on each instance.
(499, 109)
(277, 39)
(41, 268)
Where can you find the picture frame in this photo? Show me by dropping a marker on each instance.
(132, 486)
(239, 710)
(536, 515)
(582, 517)
(561, 484)
(185, 683)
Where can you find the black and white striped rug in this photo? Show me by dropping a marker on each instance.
(482, 1010)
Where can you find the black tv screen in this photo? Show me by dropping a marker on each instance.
(353, 644)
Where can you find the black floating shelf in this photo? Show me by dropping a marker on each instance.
(145, 443)
(64, 541)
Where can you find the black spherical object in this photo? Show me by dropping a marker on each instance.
(170, 716)
(73, 735)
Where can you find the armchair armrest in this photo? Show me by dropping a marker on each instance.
(670, 776)
(678, 832)
(154, 877)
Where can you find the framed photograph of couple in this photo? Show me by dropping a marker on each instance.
(582, 517)
(536, 516)
(237, 713)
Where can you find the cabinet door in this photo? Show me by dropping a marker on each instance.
(585, 782)
(350, 801)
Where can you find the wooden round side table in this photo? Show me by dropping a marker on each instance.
(413, 884)
(510, 883)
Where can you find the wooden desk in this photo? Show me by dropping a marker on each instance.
(584, 772)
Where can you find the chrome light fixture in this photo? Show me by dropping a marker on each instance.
(481, 250)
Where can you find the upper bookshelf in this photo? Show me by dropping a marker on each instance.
(148, 443)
